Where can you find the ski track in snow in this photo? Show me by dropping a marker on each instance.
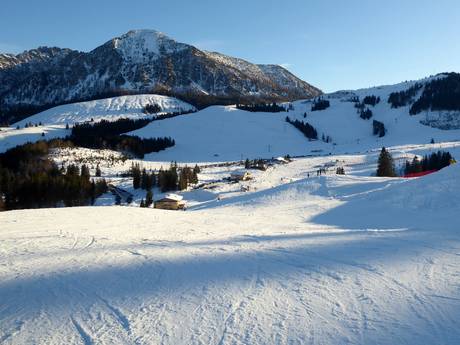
(136, 282)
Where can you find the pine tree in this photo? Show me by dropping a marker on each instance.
(98, 171)
(136, 172)
(145, 180)
(247, 164)
(385, 164)
(183, 179)
(142, 203)
(148, 198)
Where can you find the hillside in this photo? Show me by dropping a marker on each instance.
(138, 62)
(223, 133)
(105, 109)
(227, 133)
(53, 121)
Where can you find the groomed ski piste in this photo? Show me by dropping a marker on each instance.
(288, 257)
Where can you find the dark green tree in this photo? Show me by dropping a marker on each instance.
(148, 198)
(385, 164)
(136, 173)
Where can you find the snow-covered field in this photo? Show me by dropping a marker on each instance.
(324, 260)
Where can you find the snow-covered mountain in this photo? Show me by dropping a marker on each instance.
(110, 109)
(140, 61)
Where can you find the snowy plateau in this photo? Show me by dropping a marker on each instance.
(287, 257)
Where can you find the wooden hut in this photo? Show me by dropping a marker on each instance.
(170, 202)
(240, 176)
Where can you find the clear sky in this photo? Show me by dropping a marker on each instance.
(333, 44)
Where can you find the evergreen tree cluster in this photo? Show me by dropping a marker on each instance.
(378, 128)
(340, 171)
(353, 99)
(168, 179)
(439, 94)
(29, 179)
(142, 178)
(320, 104)
(434, 161)
(365, 114)
(151, 108)
(187, 176)
(171, 179)
(403, 98)
(371, 100)
(258, 164)
(106, 128)
(262, 107)
(30, 124)
(107, 135)
(385, 165)
(308, 130)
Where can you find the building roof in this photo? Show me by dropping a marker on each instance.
(173, 197)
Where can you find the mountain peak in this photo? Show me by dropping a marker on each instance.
(141, 44)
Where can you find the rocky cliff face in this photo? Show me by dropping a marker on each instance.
(140, 61)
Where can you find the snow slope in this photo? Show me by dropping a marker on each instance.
(107, 109)
(321, 260)
(226, 133)
(11, 137)
(221, 133)
(55, 119)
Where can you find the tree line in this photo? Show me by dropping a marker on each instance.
(320, 104)
(108, 135)
(434, 161)
(403, 98)
(371, 100)
(262, 107)
(439, 94)
(171, 179)
(308, 130)
(29, 179)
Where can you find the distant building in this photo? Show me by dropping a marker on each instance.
(170, 202)
(240, 176)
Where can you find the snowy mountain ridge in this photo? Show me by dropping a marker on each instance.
(138, 62)
(140, 45)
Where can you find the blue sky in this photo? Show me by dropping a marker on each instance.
(332, 44)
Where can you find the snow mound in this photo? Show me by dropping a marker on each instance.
(424, 202)
(105, 109)
(437, 192)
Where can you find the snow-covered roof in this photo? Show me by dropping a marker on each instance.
(174, 197)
